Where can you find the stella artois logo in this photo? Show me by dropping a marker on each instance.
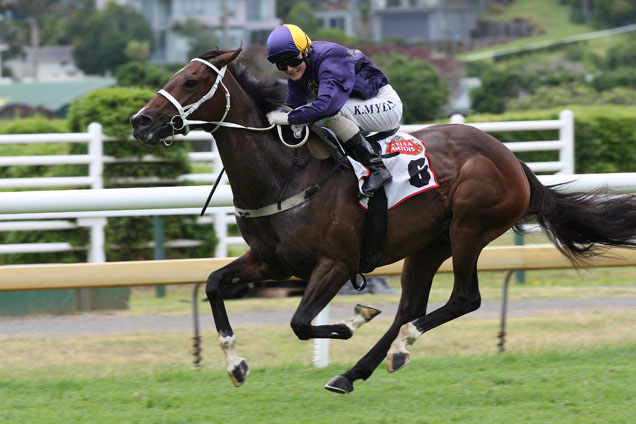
(400, 144)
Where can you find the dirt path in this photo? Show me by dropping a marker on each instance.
(100, 324)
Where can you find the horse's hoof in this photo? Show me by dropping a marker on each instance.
(239, 373)
(395, 361)
(339, 384)
(367, 312)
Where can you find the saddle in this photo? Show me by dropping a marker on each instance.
(328, 145)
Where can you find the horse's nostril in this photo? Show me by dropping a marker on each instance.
(140, 121)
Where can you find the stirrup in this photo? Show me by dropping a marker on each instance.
(382, 174)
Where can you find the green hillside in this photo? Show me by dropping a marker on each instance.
(549, 15)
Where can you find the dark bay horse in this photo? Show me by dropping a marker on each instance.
(483, 191)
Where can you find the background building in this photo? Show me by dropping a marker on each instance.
(230, 21)
(429, 20)
(425, 20)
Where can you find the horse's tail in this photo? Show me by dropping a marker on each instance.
(581, 224)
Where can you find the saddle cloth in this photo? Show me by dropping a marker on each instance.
(410, 169)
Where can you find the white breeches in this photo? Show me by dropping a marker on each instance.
(380, 113)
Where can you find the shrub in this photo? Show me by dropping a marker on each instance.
(547, 97)
(142, 74)
(621, 77)
(421, 89)
(36, 125)
(112, 107)
(605, 136)
(497, 86)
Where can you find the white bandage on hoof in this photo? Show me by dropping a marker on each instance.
(398, 356)
(236, 366)
(407, 336)
(361, 315)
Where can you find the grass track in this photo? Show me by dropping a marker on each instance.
(595, 386)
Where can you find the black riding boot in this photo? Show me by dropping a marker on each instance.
(362, 151)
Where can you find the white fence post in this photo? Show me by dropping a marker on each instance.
(96, 153)
(566, 135)
(96, 251)
(321, 346)
(457, 119)
(95, 171)
(220, 230)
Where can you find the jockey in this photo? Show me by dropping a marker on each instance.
(349, 94)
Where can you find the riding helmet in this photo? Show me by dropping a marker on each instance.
(287, 40)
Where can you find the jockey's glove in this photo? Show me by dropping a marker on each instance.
(278, 117)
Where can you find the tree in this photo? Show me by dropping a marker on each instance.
(108, 32)
(498, 86)
(603, 13)
(610, 13)
(548, 97)
(418, 83)
(283, 7)
(200, 37)
(137, 50)
(622, 54)
(34, 10)
(142, 74)
(302, 14)
(68, 24)
(14, 36)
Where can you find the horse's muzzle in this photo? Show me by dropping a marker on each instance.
(140, 122)
(142, 128)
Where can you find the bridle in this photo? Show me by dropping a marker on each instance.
(185, 111)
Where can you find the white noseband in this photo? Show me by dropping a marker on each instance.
(185, 111)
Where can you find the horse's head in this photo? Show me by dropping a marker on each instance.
(191, 94)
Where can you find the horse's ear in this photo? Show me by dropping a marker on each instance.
(228, 57)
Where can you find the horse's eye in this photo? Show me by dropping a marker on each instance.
(191, 83)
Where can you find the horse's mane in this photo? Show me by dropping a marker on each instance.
(267, 95)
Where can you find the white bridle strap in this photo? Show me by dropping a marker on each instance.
(185, 111)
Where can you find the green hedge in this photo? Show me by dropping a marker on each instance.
(605, 136)
(112, 107)
(33, 125)
(79, 237)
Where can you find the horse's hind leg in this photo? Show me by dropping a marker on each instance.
(481, 213)
(464, 298)
(325, 281)
(247, 268)
(417, 277)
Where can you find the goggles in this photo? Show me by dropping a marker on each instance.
(283, 62)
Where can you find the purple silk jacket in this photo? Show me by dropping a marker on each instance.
(334, 73)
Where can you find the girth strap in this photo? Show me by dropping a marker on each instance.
(290, 202)
(274, 208)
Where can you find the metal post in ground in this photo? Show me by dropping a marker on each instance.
(520, 276)
(160, 248)
(196, 339)
(504, 310)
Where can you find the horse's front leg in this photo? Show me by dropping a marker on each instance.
(325, 281)
(247, 268)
